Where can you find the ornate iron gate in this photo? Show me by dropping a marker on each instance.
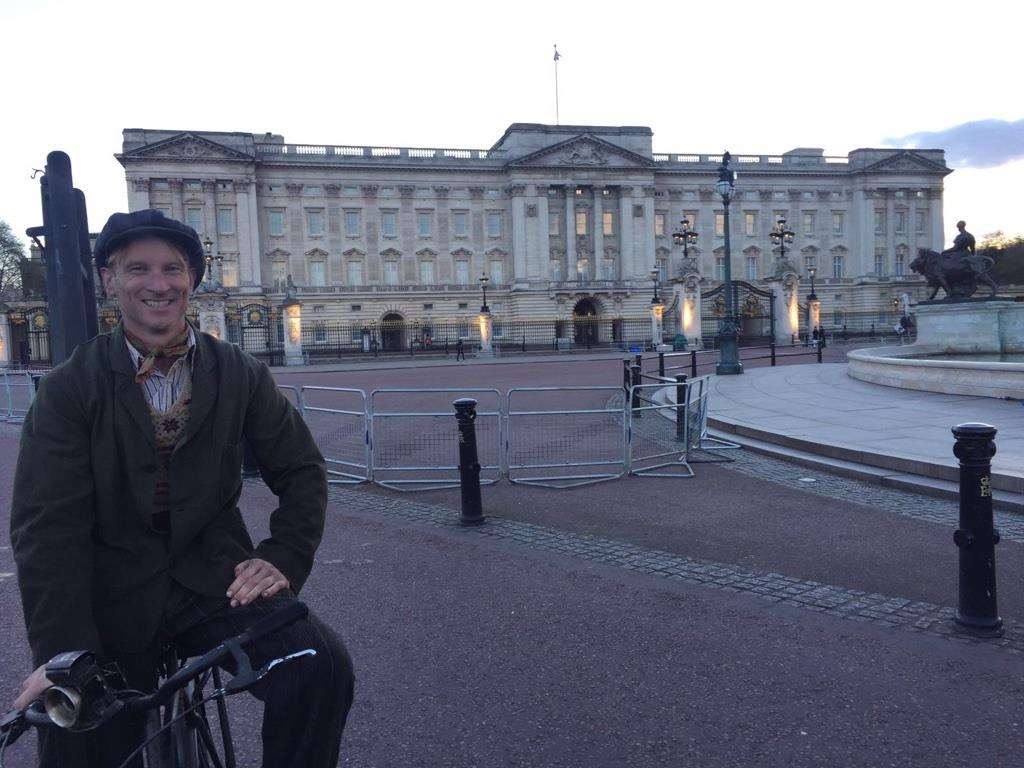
(260, 333)
(754, 308)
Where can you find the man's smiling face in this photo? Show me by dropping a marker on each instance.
(151, 280)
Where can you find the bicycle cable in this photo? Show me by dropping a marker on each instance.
(169, 723)
(3, 747)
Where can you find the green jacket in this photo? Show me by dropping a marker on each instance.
(92, 571)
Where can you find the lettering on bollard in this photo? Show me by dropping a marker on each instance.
(986, 486)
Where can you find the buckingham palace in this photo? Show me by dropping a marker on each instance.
(563, 220)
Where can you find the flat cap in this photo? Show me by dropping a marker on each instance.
(123, 228)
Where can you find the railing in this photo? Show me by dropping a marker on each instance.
(370, 152)
(402, 288)
(689, 362)
(802, 160)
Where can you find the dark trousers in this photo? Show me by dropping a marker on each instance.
(305, 701)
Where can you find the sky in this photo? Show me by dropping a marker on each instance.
(750, 77)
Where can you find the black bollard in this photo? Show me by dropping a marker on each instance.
(661, 364)
(469, 462)
(976, 537)
(680, 407)
(625, 375)
(635, 404)
(771, 346)
(818, 344)
(693, 363)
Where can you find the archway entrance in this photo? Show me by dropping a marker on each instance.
(584, 316)
(392, 332)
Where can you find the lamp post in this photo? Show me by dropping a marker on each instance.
(781, 236)
(727, 327)
(486, 322)
(685, 237)
(657, 310)
(484, 279)
(213, 279)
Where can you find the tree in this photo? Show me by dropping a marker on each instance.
(12, 259)
(1008, 252)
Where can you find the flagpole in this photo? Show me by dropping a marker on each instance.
(557, 57)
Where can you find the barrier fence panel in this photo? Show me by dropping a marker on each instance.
(16, 393)
(655, 448)
(561, 437)
(414, 438)
(697, 397)
(338, 419)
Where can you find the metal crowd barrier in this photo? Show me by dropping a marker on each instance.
(17, 391)
(419, 449)
(339, 421)
(655, 449)
(564, 447)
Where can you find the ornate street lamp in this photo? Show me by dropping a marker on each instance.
(685, 237)
(212, 279)
(781, 236)
(657, 310)
(812, 271)
(727, 326)
(484, 279)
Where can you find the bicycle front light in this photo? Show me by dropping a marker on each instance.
(63, 705)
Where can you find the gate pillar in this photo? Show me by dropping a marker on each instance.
(786, 308)
(292, 311)
(6, 352)
(211, 314)
(689, 311)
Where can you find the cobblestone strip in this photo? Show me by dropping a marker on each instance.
(852, 604)
(906, 503)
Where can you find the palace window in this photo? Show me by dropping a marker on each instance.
(426, 273)
(314, 223)
(749, 223)
(809, 223)
(879, 264)
(659, 224)
(494, 223)
(389, 223)
(556, 270)
(318, 273)
(462, 272)
(497, 278)
(279, 274)
(608, 268)
(423, 224)
(311, 190)
(837, 266)
(608, 223)
(900, 222)
(194, 218)
(581, 223)
(390, 272)
(193, 184)
(225, 221)
(554, 224)
(275, 223)
(354, 274)
(751, 267)
(691, 218)
(837, 223)
(460, 224)
(879, 221)
(350, 191)
(719, 267)
(662, 270)
(921, 222)
(720, 224)
(897, 264)
(810, 262)
(352, 223)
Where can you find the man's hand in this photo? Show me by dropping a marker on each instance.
(34, 685)
(255, 578)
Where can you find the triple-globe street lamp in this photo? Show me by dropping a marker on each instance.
(657, 310)
(685, 237)
(213, 280)
(728, 329)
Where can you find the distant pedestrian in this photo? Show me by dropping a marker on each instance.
(815, 335)
(460, 350)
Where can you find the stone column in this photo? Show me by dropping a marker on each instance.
(570, 230)
(518, 235)
(255, 270)
(938, 238)
(648, 260)
(210, 211)
(291, 312)
(245, 256)
(211, 314)
(543, 238)
(6, 354)
(138, 194)
(911, 231)
(625, 233)
(890, 230)
(866, 249)
(177, 199)
(598, 232)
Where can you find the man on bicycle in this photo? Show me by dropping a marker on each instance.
(124, 520)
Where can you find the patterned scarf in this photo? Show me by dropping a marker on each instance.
(175, 348)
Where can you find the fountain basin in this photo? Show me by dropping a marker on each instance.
(934, 370)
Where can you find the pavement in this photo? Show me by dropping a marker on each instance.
(819, 409)
(756, 614)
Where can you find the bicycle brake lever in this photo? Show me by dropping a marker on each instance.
(243, 681)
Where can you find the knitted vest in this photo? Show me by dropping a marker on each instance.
(169, 428)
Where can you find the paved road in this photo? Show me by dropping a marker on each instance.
(743, 617)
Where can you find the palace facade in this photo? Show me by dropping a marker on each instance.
(553, 215)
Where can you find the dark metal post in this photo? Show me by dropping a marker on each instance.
(639, 360)
(469, 462)
(92, 325)
(976, 537)
(635, 403)
(661, 364)
(693, 363)
(625, 375)
(771, 346)
(818, 344)
(680, 406)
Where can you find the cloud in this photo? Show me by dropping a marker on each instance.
(978, 144)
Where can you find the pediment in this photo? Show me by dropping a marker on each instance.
(462, 253)
(583, 152)
(279, 253)
(426, 253)
(392, 253)
(496, 252)
(316, 253)
(186, 147)
(903, 161)
(354, 253)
